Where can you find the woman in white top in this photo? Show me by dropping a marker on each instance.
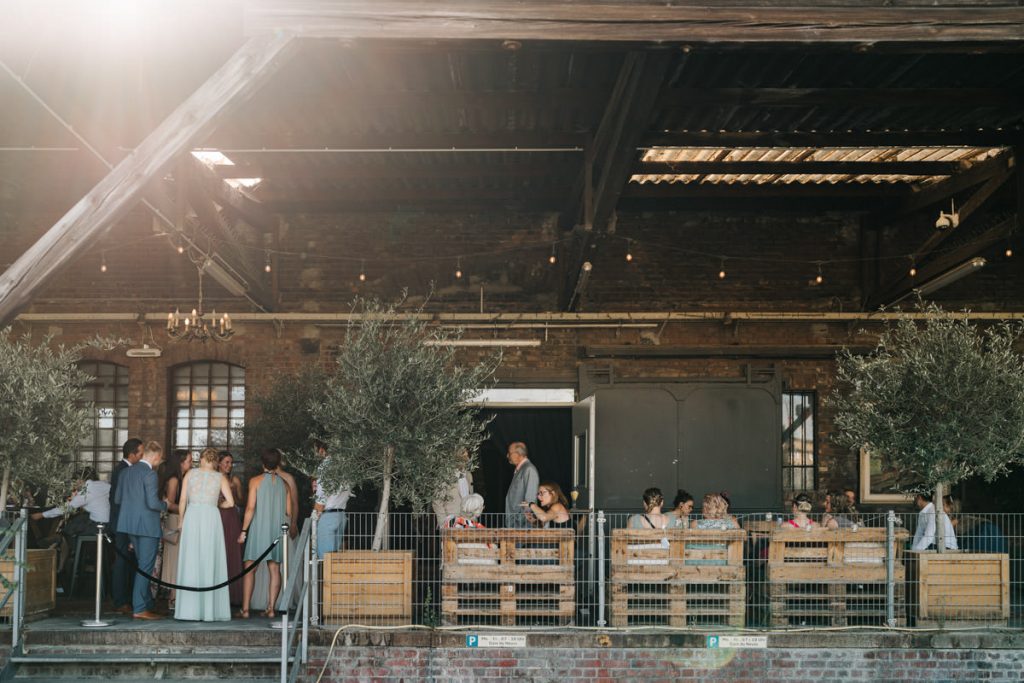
(652, 517)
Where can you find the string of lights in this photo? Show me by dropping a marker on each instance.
(815, 267)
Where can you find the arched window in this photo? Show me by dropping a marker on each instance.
(107, 393)
(207, 405)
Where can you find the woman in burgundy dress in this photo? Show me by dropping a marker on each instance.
(232, 526)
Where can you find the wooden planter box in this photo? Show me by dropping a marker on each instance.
(955, 589)
(367, 587)
(508, 577)
(40, 580)
(833, 577)
(678, 577)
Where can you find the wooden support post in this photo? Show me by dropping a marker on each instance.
(115, 194)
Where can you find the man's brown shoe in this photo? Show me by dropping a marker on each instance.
(123, 609)
(148, 615)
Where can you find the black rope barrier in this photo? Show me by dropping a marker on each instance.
(135, 567)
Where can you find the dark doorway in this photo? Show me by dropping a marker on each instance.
(547, 433)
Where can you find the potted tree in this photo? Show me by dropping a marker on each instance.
(394, 417)
(939, 399)
(42, 422)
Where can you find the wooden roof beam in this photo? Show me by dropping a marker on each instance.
(905, 284)
(612, 156)
(115, 194)
(637, 22)
(843, 97)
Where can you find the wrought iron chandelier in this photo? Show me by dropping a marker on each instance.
(198, 326)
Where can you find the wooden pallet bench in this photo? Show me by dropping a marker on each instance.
(368, 587)
(508, 577)
(677, 577)
(833, 577)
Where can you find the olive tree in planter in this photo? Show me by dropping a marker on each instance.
(42, 419)
(394, 413)
(938, 399)
(42, 422)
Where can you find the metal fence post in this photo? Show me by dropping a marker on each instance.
(96, 622)
(600, 570)
(284, 612)
(890, 569)
(314, 610)
(20, 555)
(309, 556)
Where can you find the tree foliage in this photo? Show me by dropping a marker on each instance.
(42, 418)
(394, 412)
(284, 418)
(939, 399)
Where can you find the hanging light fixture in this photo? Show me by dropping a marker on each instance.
(362, 271)
(629, 251)
(458, 268)
(103, 262)
(553, 259)
(721, 270)
(266, 266)
(196, 327)
(819, 278)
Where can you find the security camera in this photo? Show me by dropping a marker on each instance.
(947, 220)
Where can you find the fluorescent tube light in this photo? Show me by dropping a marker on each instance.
(482, 342)
(952, 275)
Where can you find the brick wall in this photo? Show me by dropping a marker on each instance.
(575, 656)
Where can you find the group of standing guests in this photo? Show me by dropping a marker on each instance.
(205, 541)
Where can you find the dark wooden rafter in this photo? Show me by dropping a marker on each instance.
(981, 172)
(231, 141)
(613, 155)
(114, 195)
(234, 201)
(843, 97)
(536, 165)
(906, 284)
(744, 190)
(636, 22)
(230, 245)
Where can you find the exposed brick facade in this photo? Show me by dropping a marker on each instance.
(673, 270)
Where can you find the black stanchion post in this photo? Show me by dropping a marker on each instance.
(96, 622)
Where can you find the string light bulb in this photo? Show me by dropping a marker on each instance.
(913, 267)
(819, 278)
(266, 267)
(721, 271)
(362, 271)
(629, 251)
(553, 259)
(181, 246)
(458, 268)
(1009, 252)
(103, 262)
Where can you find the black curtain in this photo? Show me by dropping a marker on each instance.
(547, 433)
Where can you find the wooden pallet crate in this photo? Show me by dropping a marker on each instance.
(834, 577)
(40, 581)
(677, 577)
(954, 589)
(834, 604)
(367, 587)
(508, 577)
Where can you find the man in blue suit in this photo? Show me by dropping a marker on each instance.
(139, 517)
(121, 578)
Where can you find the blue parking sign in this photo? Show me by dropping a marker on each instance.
(472, 641)
(712, 641)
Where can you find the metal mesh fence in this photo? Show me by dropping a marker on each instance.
(757, 571)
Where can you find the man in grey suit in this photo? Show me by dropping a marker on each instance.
(523, 489)
(139, 517)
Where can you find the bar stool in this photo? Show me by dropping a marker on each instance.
(87, 540)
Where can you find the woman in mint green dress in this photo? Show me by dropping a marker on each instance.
(268, 507)
(201, 557)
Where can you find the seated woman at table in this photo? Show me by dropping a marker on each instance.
(682, 508)
(714, 514)
(552, 508)
(470, 509)
(652, 517)
(839, 512)
(801, 506)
